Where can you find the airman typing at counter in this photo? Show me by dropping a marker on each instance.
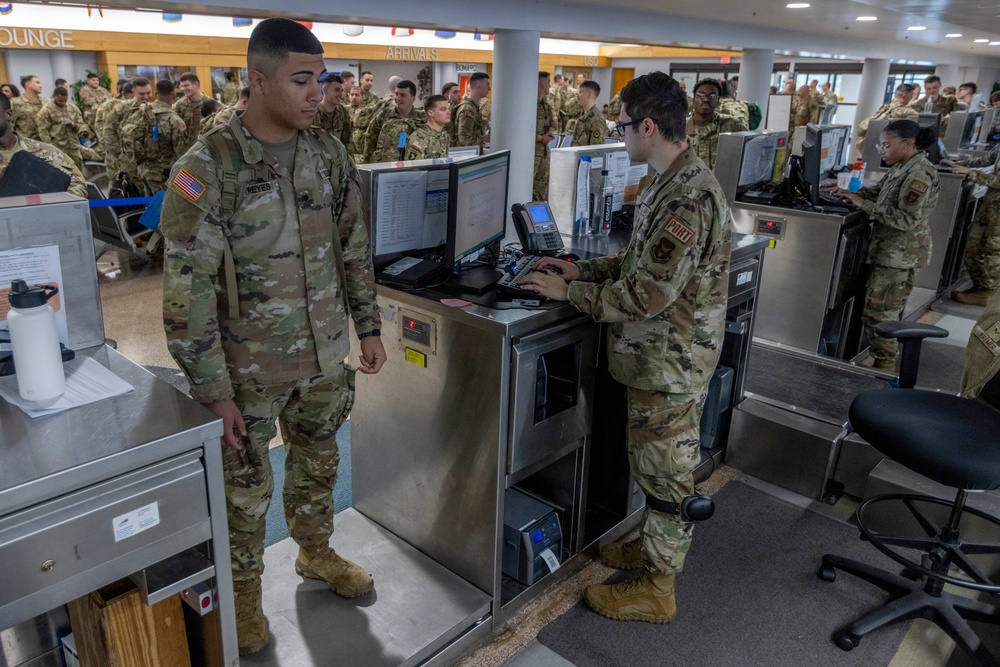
(664, 299)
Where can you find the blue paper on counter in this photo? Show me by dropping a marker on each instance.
(150, 218)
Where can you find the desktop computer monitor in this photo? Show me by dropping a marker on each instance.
(973, 125)
(932, 121)
(822, 150)
(477, 204)
(763, 158)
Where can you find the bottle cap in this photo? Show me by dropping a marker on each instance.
(604, 172)
(22, 296)
(585, 158)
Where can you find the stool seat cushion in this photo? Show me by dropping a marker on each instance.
(951, 440)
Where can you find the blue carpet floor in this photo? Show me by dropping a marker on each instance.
(277, 530)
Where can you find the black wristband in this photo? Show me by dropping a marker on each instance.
(373, 332)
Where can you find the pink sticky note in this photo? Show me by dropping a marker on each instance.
(456, 303)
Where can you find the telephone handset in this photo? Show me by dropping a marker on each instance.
(536, 228)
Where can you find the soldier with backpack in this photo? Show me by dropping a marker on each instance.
(159, 139)
(262, 216)
(125, 181)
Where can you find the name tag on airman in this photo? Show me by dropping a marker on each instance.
(261, 188)
(679, 230)
(990, 341)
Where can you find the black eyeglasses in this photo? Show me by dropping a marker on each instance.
(620, 128)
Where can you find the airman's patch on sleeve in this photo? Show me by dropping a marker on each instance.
(663, 250)
(915, 192)
(679, 230)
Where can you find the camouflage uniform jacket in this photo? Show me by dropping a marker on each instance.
(804, 111)
(91, 98)
(230, 93)
(543, 122)
(704, 139)
(990, 207)
(425, 143)
(894, 110)
(664, 296)
(901, 206)
(114, 122)
(555, 99)
(590, 129)
(220, 117)
(170, 131)
(53, 129)
(190, 113)
(50, 154)
(26, 114)
(338, 123)
(982, 354)
(469, 127)
(615, 107)
(943, 104)
(100, 125)
(299, 259)
(486, 111)
(384, 133)
(829, 100)
(738, 109)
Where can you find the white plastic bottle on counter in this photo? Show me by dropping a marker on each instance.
(33, 335)
(581, 226)
(607, 205)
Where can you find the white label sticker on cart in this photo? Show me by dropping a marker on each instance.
(550, 560)
(136, 521)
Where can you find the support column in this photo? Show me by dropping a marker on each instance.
(756, 66)
(515, 81)
(62, 67)
(874, 77)
(948, 74)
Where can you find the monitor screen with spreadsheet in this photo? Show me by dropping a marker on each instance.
(477, 209)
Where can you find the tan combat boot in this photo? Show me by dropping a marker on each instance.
(649, 598)
(252, 633)
(973, 297)
(623, 555)
(885, 365)
(344, 577)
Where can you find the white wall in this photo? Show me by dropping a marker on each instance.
(340, 65)
(603, 78)
(447, 72)
(383, 69)
(49, 65)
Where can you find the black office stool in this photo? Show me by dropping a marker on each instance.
(955, 442)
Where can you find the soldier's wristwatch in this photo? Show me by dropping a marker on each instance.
(373, 332)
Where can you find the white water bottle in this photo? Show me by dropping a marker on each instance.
(37, 358)
(607, 205)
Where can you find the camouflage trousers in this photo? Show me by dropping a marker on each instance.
(540, 187)
(154, 179)
(309, 413)
(663, 449)
(885, 298)
(982, 250)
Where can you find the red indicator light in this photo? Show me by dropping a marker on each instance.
(205, 601)
(412, 324)
(781, 142)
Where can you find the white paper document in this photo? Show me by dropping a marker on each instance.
(87, 381)
(35, 266)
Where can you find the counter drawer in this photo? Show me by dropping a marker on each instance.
(160, 509)
(743, 277)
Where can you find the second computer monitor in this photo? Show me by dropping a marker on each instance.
(477, 204)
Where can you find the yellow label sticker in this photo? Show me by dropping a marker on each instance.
(418, 358)
(772, 244)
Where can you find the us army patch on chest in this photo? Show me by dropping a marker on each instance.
(261, 188)
(679, 230)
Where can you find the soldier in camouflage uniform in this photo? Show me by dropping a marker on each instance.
(223, 115)
(940, 103)
(61, 124)
(570, 111)
(387, 128)
(92, 96)
(730, 106)
(115, 121)
(27, 107)
(897, 109)
(486, 109)
(238, 273)
(664, 299)
(615, 107)
(470, 130)
(805, 109)
(555, 95)
(453, 93)
(10, 144)
(982, 249)
(170, 131)
(431, 140)
(100, 124)
(982, 356)
(332, 115)
(189, 107)
(705, 125)
(591, 129)
(828, 102)
(544, 127)
(901, 206)
(231, 90)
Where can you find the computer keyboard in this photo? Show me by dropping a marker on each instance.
(510, 278)
(829, 200)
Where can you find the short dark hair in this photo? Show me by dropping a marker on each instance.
(709, 82)
(26, 78)
(230, 76)
(905, 128)
(735, 78)
(139, 81)
(273, 39)
(189, 76)
(434, 99)
(91, 75)
(546, 75)
(995, 97)
(208, 105)
(164, 87)
(127, 87)
(60, 92)
(345, 75)
(367, 72)
(4, 102)
(971, 86)
(478, 76)
(658, 97)
(60, 83)
(448, 86)
(406, 83)
(593, 85)
(245, 92)
(332, 78)
(556, 78)
(933, 78)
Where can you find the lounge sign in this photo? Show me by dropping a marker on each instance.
(36, 38)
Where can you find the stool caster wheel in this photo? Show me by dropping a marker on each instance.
(845, 642)
(910, 574)
(827, 573)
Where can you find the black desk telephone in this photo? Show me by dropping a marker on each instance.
(536, 228)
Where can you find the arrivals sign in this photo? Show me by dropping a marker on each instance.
(36, 38)
(410, 53)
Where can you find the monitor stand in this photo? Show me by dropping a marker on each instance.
(474, 281)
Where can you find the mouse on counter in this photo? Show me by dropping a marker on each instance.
(568, 256)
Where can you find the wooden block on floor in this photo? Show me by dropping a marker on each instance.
(114, 627)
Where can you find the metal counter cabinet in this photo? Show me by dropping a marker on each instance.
(471, 401)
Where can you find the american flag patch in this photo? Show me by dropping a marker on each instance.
(192, 188)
